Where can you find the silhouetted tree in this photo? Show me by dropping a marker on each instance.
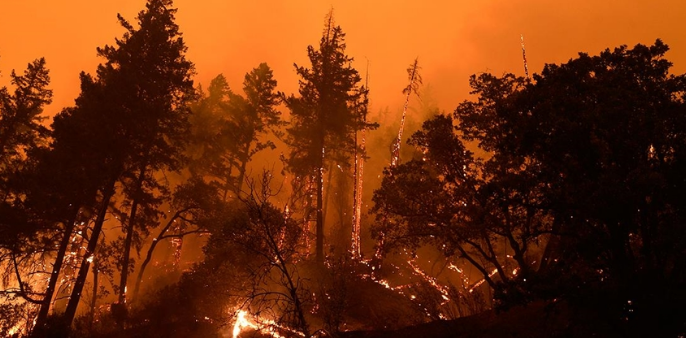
(211, 151)
(142, 92)
(255, 249)
(194, 204)
(229, 129)
(325, 116)
(79, 174)
(254, 116)
(20, 113)
(589, 152)
(467, 207)
(21, 135)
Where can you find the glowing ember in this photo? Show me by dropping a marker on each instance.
(431, 280)
(482, 281)
(359, 172)
(357, 202)
(415, 81)
(526, 66)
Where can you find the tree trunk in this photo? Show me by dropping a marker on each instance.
(127, 251)
(95, 297)
(320, 217)
(86, 260)
(354, 243)
(129, 238)
(148, 257)
(241, 172)
(328, 192)
(54, 276)
(227, 184)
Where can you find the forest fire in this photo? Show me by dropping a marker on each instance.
(245, 320)
(548, 201)
(241, 323)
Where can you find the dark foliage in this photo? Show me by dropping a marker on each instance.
(580, 181)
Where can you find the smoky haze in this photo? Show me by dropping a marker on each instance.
(453, 39)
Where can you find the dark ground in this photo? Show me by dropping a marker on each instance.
(535, 320)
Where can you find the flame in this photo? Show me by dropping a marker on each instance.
(357, 212)
(263, 325)
(242, 322)
(477, 284)
(414, 80)
(431, 280)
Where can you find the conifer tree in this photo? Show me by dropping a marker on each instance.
(324, 117)
(140, 94)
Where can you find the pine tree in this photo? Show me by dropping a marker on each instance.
(324, 118)
(256, 117)
(21, 115)
(140, 95)
(229, 129)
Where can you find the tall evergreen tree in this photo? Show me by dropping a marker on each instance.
(77, 177)
(151, 63)
(254, 116)
(21, 115)
(210, 152)
(324, 116)
(141, 95)
(22, 137)
(229, 129)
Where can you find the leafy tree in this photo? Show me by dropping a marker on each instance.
(195, 204)
(589, 152)
(325, 116)
(467, 207)
(85, 161)
(21, 134)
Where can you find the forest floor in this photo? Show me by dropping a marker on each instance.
(533, 321)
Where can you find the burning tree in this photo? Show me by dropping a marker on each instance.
(194, 205)
(324, 118)
(576, 182)
(139, 94)
(415, 80)
(150, 62)
(259, 247)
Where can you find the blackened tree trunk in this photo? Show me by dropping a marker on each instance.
(320, 215)
(130, 228)
(88, 257)
(54, 275)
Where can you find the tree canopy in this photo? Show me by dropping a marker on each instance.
(576, 175)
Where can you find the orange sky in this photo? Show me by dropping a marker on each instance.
(453, 39)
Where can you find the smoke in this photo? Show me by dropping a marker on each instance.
(454, 39)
